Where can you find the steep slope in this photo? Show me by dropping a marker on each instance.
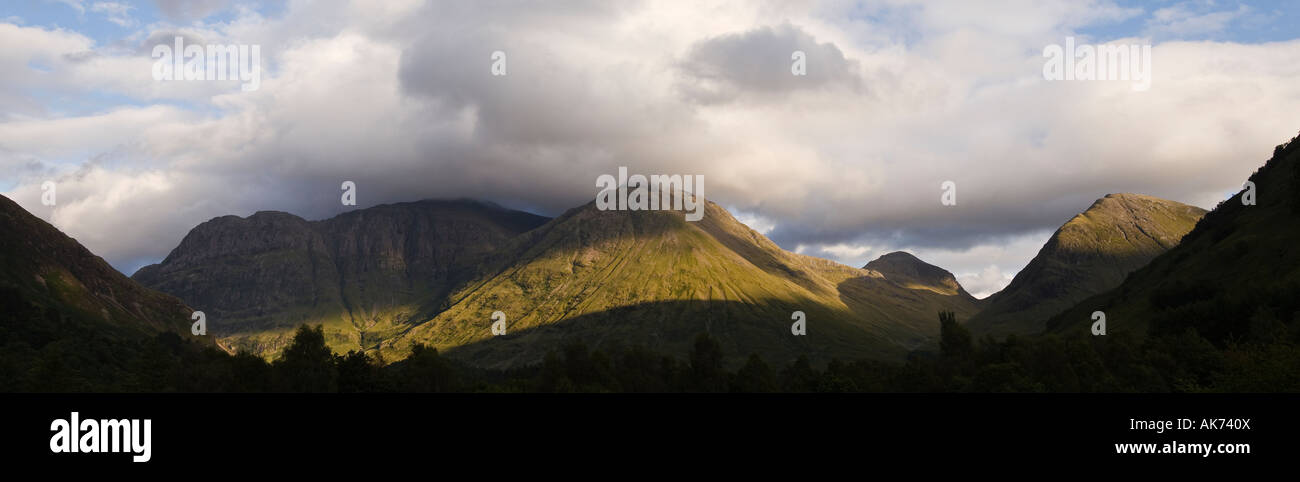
(40, 265)
(651, 278)
(69, 322)
(1234, 278)
(1089, 254)
(909, 271)
(363, 274)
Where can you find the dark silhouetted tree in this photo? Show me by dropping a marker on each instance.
(706, 365)
(799, 377)
(754, 377)
(955, 342)
(426, 372)
(307, 365)
(640, 371)
(357, 373)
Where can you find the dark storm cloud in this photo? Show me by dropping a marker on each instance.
(760, 61)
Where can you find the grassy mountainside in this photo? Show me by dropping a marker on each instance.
(1089, 254)
(650, 278)
(1234, 278)
(363, 275)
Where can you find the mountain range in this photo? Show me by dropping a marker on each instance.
(650, 278)
(385, 279)
(645, 278)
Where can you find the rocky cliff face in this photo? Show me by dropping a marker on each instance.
(245, 271)
(364, 273)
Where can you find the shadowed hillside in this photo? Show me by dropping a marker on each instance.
(70, 322)
(1234, 278)
(1089, 254)
(52, 270)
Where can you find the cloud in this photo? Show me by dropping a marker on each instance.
(848, 162)
(78, 5)
(845, 253)
(758, 223)
(1191, 19)
(759, 62)
(988, 281)
(48, 70)
(187, 10)
(117, 13)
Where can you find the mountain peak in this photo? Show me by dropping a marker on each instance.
(272, 215)
(1127, 225)
(1089, 254)
(900, 256)
(909, 271)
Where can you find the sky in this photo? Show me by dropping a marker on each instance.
(845, 162)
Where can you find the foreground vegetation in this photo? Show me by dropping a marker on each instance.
(1175, 362)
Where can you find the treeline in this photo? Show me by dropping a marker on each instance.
(45, 351)
(1165, 361)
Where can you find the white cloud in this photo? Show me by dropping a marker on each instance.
(1187, 19)
(754, 221)
(986, 282)
(399, 98)
(118, 13)
(78, 5)
(846, 251)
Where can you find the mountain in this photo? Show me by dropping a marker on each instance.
(1233, 279)
(1089, 254)
(70, 322)
(911, 272)
(386, 278)
(365, 274)
(42, 266)
(652, 279)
